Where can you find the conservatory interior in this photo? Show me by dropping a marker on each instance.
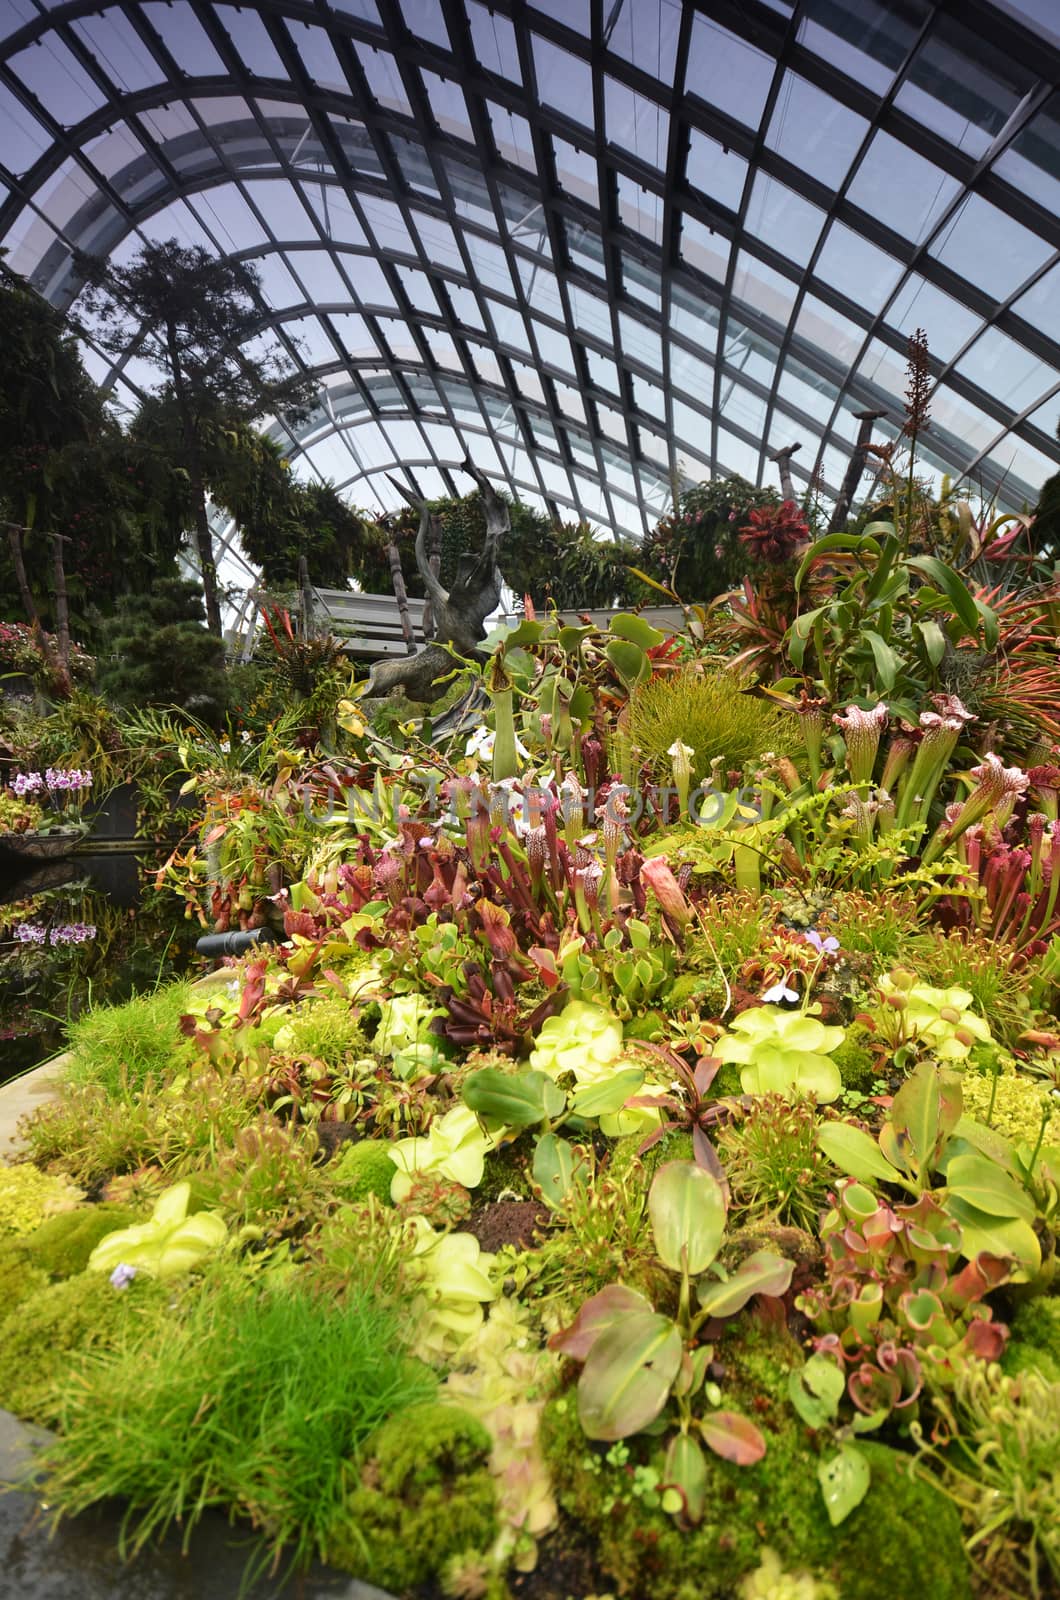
(530, 799)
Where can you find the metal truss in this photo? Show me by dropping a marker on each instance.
(602, 246)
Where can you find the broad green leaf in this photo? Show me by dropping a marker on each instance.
(686, 1471)
(816, 1390)
(980, 1182)
(556, 1170)
(603, 1099)
(732, 1437)
(844, 1481)
(627, 1377)
(852, 543)
(885, 658)
(516, 1099)
(762, 1273)
(915, 1113)
(953, 587)
(571, 639)
(614, 1304)
(627, 625)
(934, 640)
(991, 628)
(687, 1208)
(629, 661)
(855, 1152)
(998, 1236)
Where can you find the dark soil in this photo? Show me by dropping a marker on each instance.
(332, 1135)
(507, 1222)
(566, 1570)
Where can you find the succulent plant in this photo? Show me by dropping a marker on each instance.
(455, 1147)
(938, 1020)
(169, 1243)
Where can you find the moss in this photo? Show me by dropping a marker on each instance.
(363, 1169)
(425, 1496)
(904, 1539)
(1018, 1105)
(674, 1146)
(857, 1064)
(55, 1323)
(1035, 1342)
(62, 1245)
(506, 1172)
(28, 1195)
(19, 1278)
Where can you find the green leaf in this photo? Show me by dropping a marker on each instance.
(687, 1208)
(953, 587)
(999, 1236)
(555, 1169)
(853, 543)
(571, 639)
(603, 1099)
(816, 1390)
(652, 583)
(629, 661)
(686, 1471)
(626, 625)
(856, 1153)
(732, 1437)
(934, 640)
(915, 1113)
(844, 1481)
(980, 1182)
(799, 634)
(516, 1099)
(612, 1305)
(991, 628)
(762, 1273)
(885, 658)
(627, 1376)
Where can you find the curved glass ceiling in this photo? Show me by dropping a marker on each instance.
(600, 245)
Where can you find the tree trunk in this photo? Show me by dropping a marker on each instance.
(14, 534)
(397, 578)
(203, 536)
(62, 602)
(434, 561)
(855, 467)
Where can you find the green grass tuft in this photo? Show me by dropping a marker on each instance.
(123, 1048)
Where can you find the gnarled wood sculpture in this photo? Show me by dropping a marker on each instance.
(458, 612)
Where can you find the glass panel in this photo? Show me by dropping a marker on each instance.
(438, 241)
(714, 170)
(856, 268)
(569, 401)
(590, 314)
(512, 136)
(251, 39)
(25, 140)
(120, 51)
(640, 342)
(576, 172)
(806, 391)
(563, 82)
(989, 249)
(493, 37)
(369, 282)
(60, 83)
(541, 288)
(1006, 371)
(635, 123)
(387, 224)
(447, 103)
(1032, 162)
(647, 397)
(424, 20)
(728, 72)
(1040, 306)
(489, 264)
(184, 37)
(639, 208)
(704, 249)
(384, 80)
(651, 45)
(228, 217)
(814, 131)
(575, 13)
(947, 323)
(783, 219)
(465, 306)
(603, 373)
(417, 286)
(762, 289)
(901, 188)
(962, 87)
(866, 39)
(353, 331)
(689, 373)
(740, 406)
(735, 455)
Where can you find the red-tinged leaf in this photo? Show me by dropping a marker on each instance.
(733, 1437)
(686, 1471)
(707, 1069)
(218, 831)
(707, 1157)
(628, 1374)
(762, 1273)
(602, 1311)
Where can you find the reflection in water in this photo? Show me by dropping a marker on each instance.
(75, 932)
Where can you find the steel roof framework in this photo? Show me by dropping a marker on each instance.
(605, 245)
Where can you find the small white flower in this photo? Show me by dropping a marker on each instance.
(779, 993)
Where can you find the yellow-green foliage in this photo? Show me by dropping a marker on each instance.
(904, 1539)
(40, 1339)
(709, 713)
(362, 1169)
(1019, 1105)
(62, 1245)
(1035, 1341)
(123, 1048)
(769, 1581)
(424, 1497)
(27, 1196)
(324, 1028)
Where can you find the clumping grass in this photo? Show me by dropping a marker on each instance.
(712, 715)
(256, 1399)
(123, 1048)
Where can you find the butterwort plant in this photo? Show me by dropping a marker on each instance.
(641, 1367)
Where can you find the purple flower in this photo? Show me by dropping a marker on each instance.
(30, 933)
(72, 933)
(822, 946)
(122, 1275)
(25, 783)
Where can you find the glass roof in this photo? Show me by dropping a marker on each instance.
(601, 246)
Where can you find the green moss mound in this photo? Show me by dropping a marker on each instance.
(424, 1496)
(28, 1195)
(19, 1278)
(62, 1245)
(856, 1062)
(57, 1322)
(1035, 1342)
(905, 1539)
(363, 1169)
